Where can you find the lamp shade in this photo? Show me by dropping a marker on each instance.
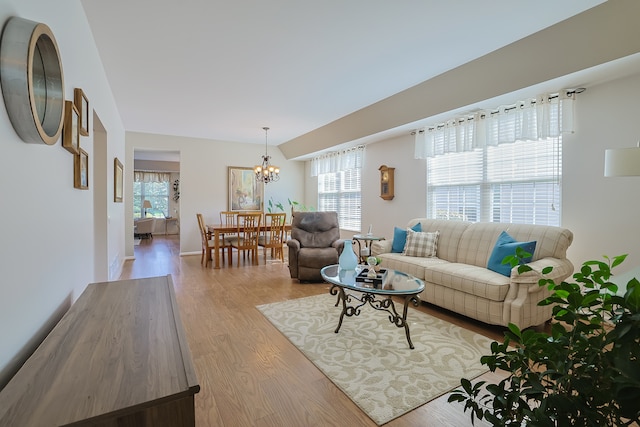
(146, 204)
(622, 162)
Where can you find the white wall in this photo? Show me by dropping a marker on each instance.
(409, 186)
(601, 212)
(203, 179)
(47, 226)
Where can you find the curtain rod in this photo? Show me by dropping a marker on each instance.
(569, 93)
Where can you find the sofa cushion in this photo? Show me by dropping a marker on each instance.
(471, 279)
(506, 245)
(400, 238)
(450, 235)
(421, 244)
(414, 266)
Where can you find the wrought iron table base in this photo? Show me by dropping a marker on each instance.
(385, 304)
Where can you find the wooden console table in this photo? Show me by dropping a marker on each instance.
(118, 357)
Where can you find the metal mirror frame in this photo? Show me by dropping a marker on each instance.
(32, 80)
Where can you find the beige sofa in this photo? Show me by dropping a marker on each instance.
(458, 279)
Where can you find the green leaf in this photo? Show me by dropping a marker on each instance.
(591, 298)
(632, 296)
(618, 260)
(515, 330)
(521, 253)
(456, 397)
(523, 268)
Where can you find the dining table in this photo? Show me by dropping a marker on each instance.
(216, 230)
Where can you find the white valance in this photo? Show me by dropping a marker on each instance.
(336, 161)
(546, 116)
(143, 176)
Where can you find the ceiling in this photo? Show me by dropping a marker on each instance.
(222, 70)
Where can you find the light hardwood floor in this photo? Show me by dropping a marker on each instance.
(249, 373)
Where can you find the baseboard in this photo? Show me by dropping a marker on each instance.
(190, 253)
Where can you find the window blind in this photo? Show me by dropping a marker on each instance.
(517, 183)
(340, 192)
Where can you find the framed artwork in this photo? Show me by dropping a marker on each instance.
(70, 130)
(81, 170)
(82, 104)
(245, 192)
(118, 172)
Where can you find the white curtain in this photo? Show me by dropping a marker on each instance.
(140, 176)
(351, 158)
(546, 116)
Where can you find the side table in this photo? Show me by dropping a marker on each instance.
(367, 239)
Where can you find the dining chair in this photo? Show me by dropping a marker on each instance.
(208, 244)
(272, 235)
(247, 233)
(229, 219)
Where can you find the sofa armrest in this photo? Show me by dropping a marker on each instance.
(381, 247)
(562, 268)
(521, 303)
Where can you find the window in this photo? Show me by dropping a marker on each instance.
(515, 182)
(156, 192)
(339, 184)
(340, 192)
(499, 166)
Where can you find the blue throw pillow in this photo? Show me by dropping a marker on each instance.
(506, 245)
(400, 238)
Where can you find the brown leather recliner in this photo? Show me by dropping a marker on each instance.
(315, 243)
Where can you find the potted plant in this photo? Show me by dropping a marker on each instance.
(585, 372)
(272, 205)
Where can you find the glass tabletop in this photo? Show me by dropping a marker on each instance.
(367, 237)
(390, 282)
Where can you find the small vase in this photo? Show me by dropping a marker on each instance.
(348, 259)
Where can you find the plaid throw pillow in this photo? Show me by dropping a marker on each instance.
(421, 244)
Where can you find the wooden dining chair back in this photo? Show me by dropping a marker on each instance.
(273, 235)
(206, 247)
(208, 244)
(247, 233)
(228, 218)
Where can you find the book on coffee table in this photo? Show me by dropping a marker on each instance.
(364, 276)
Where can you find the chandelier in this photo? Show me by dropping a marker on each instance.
(266, 172)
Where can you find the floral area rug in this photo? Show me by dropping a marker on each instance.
(369, 358)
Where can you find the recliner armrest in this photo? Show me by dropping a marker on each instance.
(293, 244)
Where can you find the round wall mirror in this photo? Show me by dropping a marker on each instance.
(32, 80)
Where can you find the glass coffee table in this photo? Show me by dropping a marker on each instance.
(375, 292)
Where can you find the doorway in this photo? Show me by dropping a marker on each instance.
(156, 189)
(100, 203)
